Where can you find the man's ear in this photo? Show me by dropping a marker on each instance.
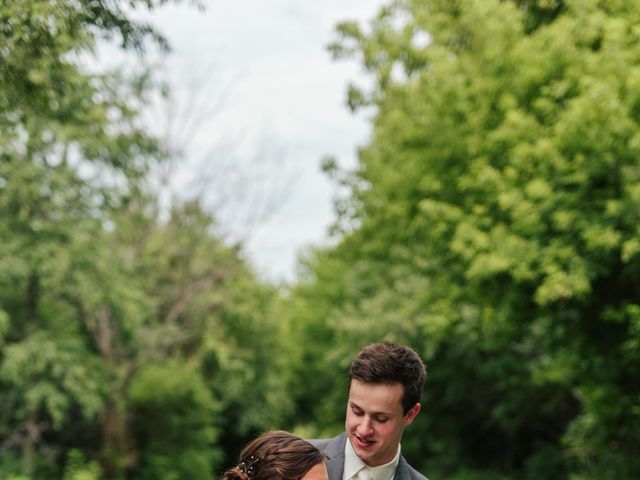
(411, 414)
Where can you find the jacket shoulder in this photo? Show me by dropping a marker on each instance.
(320, 443)
(409, 472)
(331, 446)
(417, 475)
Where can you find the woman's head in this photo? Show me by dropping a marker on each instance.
(278, 455)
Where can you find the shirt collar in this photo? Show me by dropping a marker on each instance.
(353, 464)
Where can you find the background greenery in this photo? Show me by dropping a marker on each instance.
(492, 223)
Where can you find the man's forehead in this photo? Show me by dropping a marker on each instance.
(376, 396)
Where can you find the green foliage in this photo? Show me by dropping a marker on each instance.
(174, 420)
(492, 223)
(54, 374)
(78, 468)
(100, 294)
(11, 467)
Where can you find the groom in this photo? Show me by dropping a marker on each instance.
(385, 384)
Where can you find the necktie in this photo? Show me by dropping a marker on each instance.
(361, 474)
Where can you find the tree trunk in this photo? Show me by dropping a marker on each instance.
(29, 441)
(117, 455)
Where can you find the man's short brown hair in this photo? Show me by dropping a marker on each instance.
(391, 363)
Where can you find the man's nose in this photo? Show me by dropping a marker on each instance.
(365, 427)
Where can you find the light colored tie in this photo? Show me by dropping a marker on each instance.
(361, 474)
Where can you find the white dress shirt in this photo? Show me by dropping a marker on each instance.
(354, 464)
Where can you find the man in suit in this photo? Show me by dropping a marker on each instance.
(385, 384)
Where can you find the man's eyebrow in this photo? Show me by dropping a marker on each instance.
(354, 404)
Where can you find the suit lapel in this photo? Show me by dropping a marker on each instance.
(401, 470)
(335, 457)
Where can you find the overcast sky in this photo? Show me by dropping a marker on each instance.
(279, 100)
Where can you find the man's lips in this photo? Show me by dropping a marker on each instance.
(363, 443)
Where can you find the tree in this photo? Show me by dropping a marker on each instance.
(70, 144)
(117, 316)
(492, 223)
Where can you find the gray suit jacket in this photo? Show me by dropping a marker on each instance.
(333, 450)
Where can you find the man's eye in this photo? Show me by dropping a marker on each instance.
(382, 420)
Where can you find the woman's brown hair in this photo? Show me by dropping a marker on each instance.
(276, 455)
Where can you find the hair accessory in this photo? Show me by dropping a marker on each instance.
(247, 467)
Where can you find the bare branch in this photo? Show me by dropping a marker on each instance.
(187, 294)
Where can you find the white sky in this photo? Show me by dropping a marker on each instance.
(282, 104)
